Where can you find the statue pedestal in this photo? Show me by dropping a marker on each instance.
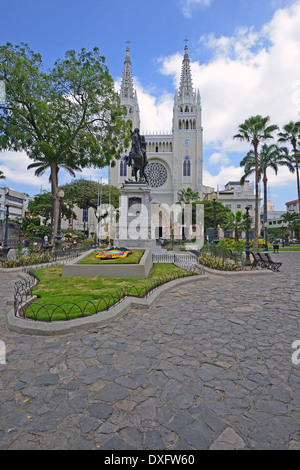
(134, 225)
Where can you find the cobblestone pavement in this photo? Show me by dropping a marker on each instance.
(206, 367)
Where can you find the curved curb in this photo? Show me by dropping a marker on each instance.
(216, 272)
(99, 320)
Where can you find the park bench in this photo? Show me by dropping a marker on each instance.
(268, 262)
(257, 261)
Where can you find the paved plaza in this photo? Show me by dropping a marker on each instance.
(208, 366)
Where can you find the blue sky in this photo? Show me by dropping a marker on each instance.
(244, 55)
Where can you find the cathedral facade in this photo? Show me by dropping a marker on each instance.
(175, 158)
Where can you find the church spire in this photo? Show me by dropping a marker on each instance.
(127, 82)
(186, 85)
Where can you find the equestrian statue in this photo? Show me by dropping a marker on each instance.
(137, 157)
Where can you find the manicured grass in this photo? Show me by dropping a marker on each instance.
(62, 298)
(285, 248)
(133, 258)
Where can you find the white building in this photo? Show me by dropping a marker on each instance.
(175, 158)
(292, 206)
(17, 203)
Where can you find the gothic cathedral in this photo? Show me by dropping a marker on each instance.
(175, 159)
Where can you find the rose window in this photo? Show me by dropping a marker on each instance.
(156, 174)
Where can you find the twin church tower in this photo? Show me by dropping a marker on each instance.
(175, 159)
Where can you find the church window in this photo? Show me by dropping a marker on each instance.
(186, 166)
(85, 215)
(123, 167)
(156, 174)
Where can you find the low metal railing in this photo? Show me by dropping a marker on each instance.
(27, 308)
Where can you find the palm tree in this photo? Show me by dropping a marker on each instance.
(291, 134)
(188, 195)
(41, 166)
(270, 156)
(292, 220)
(255, 130)
(235, 222)
(2, 177)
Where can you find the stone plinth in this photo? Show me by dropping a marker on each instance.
(134, 225)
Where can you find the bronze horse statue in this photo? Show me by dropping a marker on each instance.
(137, 157)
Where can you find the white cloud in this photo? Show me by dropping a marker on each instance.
(252, 72)
(226, 174)
(14, 166)
(217, 158)
(187, 5)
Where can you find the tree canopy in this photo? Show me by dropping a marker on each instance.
(86, 193)
(68, 117)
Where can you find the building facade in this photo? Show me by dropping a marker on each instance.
(17, 203)
(175, 158)
(292, 206)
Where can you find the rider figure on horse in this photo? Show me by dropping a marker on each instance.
(137, 157)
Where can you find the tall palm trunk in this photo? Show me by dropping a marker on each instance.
(265, 182)
(256, 213)
(298, 185)
(294, 143)
(55, 199)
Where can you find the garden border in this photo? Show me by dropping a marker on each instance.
(64, 327)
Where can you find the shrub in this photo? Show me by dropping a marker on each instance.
(216, 262)
(27, 260)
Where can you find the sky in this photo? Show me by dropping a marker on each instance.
(245, 60)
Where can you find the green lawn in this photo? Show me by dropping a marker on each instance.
(62, 298)
(285, 248)
(133, 258)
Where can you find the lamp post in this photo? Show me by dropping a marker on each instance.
(266, 236)
(5, 249)
(282, 225)
(216, 237)
(59, 235)
(247, 248)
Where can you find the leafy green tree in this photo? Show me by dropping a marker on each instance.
(256, 130)
(69, 117)
(291, 134)
(41, 206)
(86, 193)
(2, 177)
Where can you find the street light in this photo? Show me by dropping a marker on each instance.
(59, 235)
(247, 248)
(282, 225)
(266, 236)
(216, 237)
(5, 249)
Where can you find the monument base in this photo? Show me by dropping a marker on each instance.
(134, 226)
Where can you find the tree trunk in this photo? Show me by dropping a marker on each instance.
(55, 200)
(294, 143)
(236, 234)
(255, 243)
(265, 181)
(298, 186)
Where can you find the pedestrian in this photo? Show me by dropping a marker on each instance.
(46, 239)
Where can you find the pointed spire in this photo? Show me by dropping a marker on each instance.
(186, 85)
(127, 82)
